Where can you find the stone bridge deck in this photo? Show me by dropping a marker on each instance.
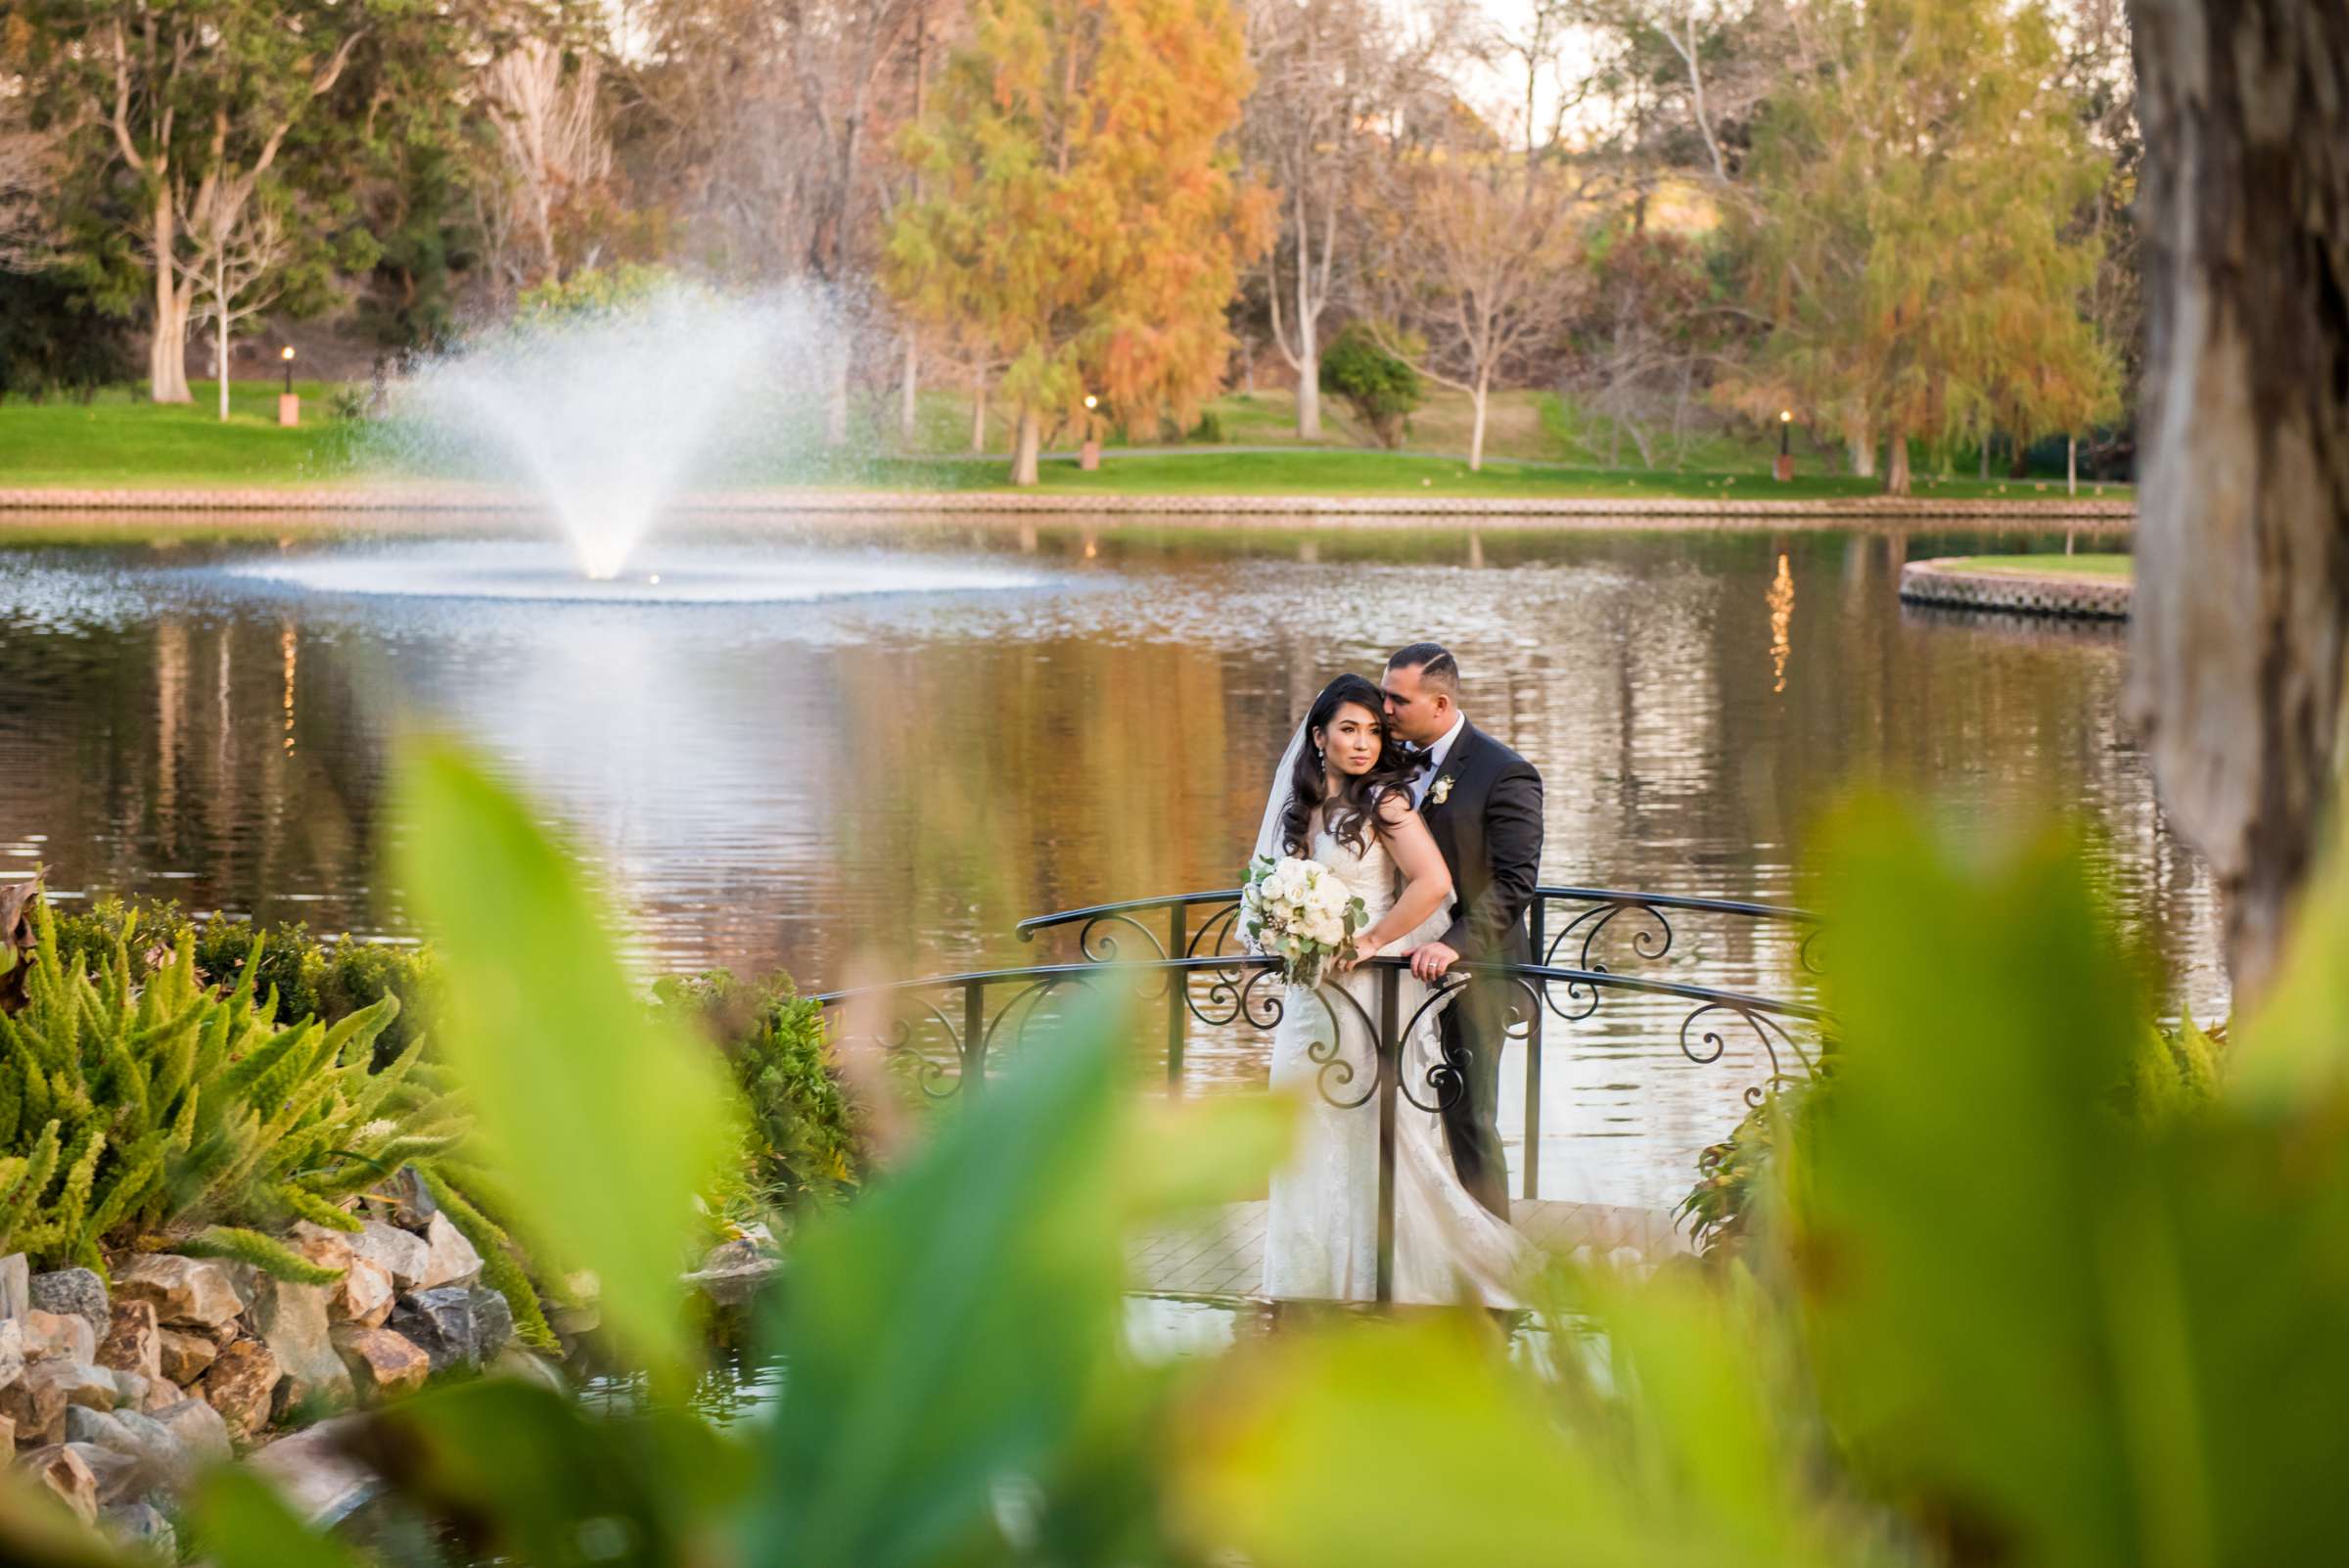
(1223, 1253)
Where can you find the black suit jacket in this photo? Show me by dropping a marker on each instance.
(1488, 828)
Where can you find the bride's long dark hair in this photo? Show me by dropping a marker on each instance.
(1355, 811)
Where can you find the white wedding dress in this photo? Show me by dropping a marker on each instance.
(1321, 1236)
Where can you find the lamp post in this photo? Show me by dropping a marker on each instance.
(1784, 468)
(1089, 455)
(289, 406)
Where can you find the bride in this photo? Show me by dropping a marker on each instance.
(1342, 796)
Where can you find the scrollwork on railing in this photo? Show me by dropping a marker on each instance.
(1354, 1053)
(897, 1038)
(1709, 1045)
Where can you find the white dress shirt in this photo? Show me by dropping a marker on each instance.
(1435, 762)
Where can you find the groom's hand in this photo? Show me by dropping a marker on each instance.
(1432, 961)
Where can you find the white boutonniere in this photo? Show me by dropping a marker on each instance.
(1442, 792)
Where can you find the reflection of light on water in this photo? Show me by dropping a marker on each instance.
(1781, 600)
(685, 574)
(286, 646)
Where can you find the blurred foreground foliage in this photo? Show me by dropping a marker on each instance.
(1994, 1311)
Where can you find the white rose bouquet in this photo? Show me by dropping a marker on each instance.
(1299, 912)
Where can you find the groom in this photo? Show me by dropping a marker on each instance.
(1483, 804)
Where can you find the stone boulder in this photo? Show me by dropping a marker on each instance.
(142, 1526)
(134, 1342)
(453, 1260)
(8, 1437)
(404, 1200)
(364, 1293)
(402, 1254)
(383, 1364)
(290, 1320)
(455, 1325)
(120, 1476)
(163, 1459)
(67, 1475)
(314, 1472)
(184, 1357)
(528, 1366)
(58, 1337)
(16, 1285)
(242, 1385)
(12, 1349)
(78, 1291)
(76, 1383)
(199, 1428)
(186, 1292)
(36, 1406)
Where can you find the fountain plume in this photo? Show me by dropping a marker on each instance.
(610, 417)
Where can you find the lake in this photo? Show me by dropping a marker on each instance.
(856, 749)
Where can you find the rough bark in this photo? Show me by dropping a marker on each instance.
(1896, 462)
(2243, 543)
(908, 392)
(1481, 397)
(167, 340)
(1862, 443)
(1024, 458)
(220, 328)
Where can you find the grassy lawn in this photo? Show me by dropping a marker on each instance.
(122, 441)
(119, 441)
(2047, 566)
(1317, 471)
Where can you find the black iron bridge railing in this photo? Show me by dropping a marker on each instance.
(949, 1029)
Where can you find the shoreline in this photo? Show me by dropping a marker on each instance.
(2100, 512)
(2069, 595)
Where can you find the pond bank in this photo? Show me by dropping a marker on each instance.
(326, 499)
(1959, 583)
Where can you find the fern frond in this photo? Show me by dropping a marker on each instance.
(271, 1257)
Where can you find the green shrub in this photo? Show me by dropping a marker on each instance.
(805, 1140)
(2173, 1071)
(311, 976)
(1380, 387)
(148, 1104)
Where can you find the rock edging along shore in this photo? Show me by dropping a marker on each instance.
(2052, 593)
(961, 502)
(113, 1397)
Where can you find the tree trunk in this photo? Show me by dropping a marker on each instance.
(907, 390)
(1309, 371)
(979, 413)
(1896, 462)
(168, 348)
(2071, 465)
(835, 400)
(1031, 438)
(1861, 439)
(1987, 438)
(2242, 538)
(1476, 431)
(220, 325)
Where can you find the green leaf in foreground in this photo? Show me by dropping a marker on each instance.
(237, 1521)
(604, 1121)
(958, 1329)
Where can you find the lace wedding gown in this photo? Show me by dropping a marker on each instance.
(1321, 1236)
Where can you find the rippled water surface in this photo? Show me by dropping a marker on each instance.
(856, 749)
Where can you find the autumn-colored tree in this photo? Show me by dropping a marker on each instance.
(1913, 240)
(1079, 209)
(1477, 264)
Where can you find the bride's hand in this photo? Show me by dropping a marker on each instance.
(1354, 952)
